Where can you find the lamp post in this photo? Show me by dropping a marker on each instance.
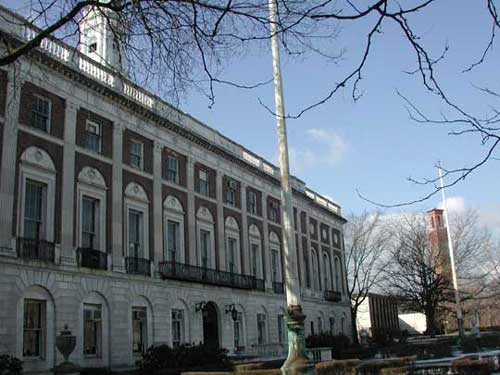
(297, 362)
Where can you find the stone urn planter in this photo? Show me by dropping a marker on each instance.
(65, 344)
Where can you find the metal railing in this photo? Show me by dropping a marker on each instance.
(278, 287)
(185, 272)
(92, 258)
(30, 248)
(332, 296)
(138, 266)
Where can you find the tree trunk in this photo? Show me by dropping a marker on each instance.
(354, 327)
(431, 322)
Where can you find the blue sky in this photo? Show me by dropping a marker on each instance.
(370, 145)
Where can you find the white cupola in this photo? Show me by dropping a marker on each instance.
(99, 29)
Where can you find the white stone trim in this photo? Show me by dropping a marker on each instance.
(174, 211)
(275, 245)
(254, 238)
(205, 221)
(136, 199)
(232, 230)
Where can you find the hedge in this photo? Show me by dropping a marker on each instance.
(10, 365)
(346, 367)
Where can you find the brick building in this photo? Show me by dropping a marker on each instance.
(135, 224)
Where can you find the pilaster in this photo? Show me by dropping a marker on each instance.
(266, 254)
(157, 205)
(117, 236)
(244, 231)
(191, 214)
(220, 222)
(68, 186)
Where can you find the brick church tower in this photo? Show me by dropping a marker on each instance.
(438, 237)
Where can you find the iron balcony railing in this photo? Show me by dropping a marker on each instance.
(185, 272)
(92, 258)
(332, 296)
(35, 249)
(278, 287)
(138, 266)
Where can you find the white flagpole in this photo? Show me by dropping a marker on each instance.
(452, 257)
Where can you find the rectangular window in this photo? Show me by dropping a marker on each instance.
(281, 329)
(177, 327)
(93, 137)
(261, 329)
(172, 240)
(231, 192)
(255, 258)
(92, 330)
(204, 183)
(252, 202)
(204, 247)
(173, 169)
(139, 330)
(90, 220)
(273, 211)
(231, 256)
(274, 266)
(136, 154)
(33, 333)
(40, 113)
(332, 326)
(135, 233)
(34, 208)
(238, 331)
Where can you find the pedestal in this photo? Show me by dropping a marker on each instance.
(297, 362)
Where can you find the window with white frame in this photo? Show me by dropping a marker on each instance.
(261, 329)
(135, 233)
(315, 269)
(337, 274)
(251, 202)
(137, 154)
(92, 330)
(40, 113)
(332, 325)
(231, 192)
(178, 327)
(326, 272)
(281, 329)
(33, 328)
(275, 260)
(35, 203)
(204, 248)
(238, 331)
(139, 330)
(172, 169)
(254, 250)
(173, 239)
(90, 223)
(231, 258)
(93, 136)
(204, 183)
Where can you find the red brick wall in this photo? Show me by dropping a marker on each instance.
(106, 128)
(58, 108)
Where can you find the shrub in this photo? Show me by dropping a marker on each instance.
(395, 371)
(376, 367)
(471, 366)
(264, 365)
(275, 371)
(10, 365)
(346, 367)
(163, 359)
(327, 340)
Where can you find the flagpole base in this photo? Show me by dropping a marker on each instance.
(297, 362)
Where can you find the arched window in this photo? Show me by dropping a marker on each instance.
(174, 230)
(315, 270)
(327, 280)
(337, 275)
(275, 255)
(141, 325)
(94, 319)
(233, 253)
(262, 329)
(239, 329)
(255, 248)
(136, 221)
(180, 324)
(206, 238)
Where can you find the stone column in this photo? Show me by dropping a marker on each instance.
(117, 236)
(157, 206)
(245, 245)
(308, 250)
(220, 223)
(191, 214)
(8, 170)
(68, 186)
(266, 252)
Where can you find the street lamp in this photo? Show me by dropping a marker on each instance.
(297, 362)
(232, 309)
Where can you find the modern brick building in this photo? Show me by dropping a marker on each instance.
(135, 224)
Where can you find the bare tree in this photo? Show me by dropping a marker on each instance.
(366, 244)
(414, 277)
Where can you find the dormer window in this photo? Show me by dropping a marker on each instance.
(93, 45)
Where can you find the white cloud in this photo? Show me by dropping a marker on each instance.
(454, 204)
(320, 147)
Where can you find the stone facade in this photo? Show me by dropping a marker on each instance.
(103, 140)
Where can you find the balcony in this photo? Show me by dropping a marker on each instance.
(332, 296)
(185, 272)
(278, 288)
(92, 258)
(34, 249)
(138, 266)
